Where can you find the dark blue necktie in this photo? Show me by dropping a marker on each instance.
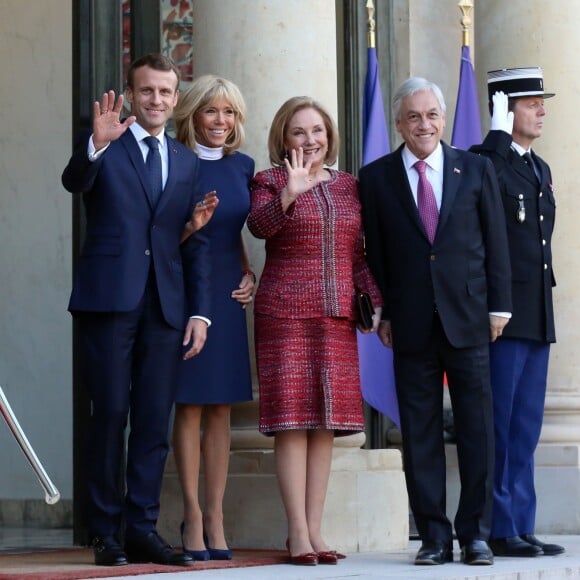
(153, 164)
(530, 161)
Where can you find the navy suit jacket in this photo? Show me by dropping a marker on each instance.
(465, 274)
(126, 235)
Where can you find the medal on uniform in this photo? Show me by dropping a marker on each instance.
(521, 213)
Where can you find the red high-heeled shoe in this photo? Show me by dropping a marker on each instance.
(327, 557)
(306, 559)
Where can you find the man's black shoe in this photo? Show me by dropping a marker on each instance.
(108, 551)
(153, 548)
(477, 553)
(514, 547)
(547, 549)
(434, 553)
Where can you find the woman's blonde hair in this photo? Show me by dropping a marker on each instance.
(204, 91)
(282, 118)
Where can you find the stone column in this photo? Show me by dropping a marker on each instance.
(426, 42)
(273, 50)
(542, 33)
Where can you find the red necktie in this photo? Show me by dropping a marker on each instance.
(426, 201)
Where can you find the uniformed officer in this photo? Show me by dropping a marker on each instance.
(519, 359)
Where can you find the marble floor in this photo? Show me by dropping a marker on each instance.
(399, 566)
(375, 566)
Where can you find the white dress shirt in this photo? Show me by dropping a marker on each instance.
(434, 172)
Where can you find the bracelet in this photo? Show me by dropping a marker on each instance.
(248, 272)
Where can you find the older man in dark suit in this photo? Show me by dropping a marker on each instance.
(519, 361)
(138, 296)
(436, 242)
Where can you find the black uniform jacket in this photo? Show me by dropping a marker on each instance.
(530, 209)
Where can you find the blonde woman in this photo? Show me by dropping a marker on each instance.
(209, 120)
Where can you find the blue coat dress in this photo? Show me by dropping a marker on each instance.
(220, 374)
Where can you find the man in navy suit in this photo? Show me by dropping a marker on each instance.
(445, 282)
(519, 361)
(139, 299)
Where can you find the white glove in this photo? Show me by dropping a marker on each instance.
(501, 120)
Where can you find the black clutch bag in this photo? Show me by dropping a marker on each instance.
(365, 310)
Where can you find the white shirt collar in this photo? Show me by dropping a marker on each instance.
(434, 161)
(141, 133)
(519, 149)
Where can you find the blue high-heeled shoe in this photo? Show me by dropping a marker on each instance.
(201, 555)
(215, 553)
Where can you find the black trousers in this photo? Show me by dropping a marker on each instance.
(419, 379)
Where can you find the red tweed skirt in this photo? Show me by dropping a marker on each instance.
(308, 374)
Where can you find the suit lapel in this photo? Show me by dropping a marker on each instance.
(136, 157)
(522, 168)
(134, 151)
(397, 175)
(541, 170)
(172, 171)
(452, 170)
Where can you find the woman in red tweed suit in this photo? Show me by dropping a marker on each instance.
(305, 326)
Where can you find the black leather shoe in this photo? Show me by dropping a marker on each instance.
(547, 549)
(434, 553)
(514, 547)
(477, 553)
(108, 552)
(153, 548)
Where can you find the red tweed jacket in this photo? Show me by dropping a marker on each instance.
(314, 251)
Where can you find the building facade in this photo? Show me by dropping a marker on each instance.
(60, 55)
